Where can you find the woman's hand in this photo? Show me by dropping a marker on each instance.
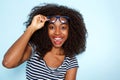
(38, 22)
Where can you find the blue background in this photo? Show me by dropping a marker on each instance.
(100, 61)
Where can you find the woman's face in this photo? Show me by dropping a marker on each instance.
(58, 31)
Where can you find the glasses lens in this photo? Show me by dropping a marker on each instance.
(63, 19)
(52, 19)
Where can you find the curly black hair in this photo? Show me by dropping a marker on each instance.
(76, 42)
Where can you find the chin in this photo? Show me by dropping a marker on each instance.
(57, 45)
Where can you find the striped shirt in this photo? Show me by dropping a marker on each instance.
(37, 68)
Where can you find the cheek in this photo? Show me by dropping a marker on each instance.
(65, 34)
(50, 32)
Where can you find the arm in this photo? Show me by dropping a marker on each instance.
(20, 51)
(71, 74)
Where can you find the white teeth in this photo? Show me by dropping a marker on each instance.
(58, 38)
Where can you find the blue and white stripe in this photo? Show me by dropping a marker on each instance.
(37, 69)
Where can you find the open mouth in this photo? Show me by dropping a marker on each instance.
(57, 40)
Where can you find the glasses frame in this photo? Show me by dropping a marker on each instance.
(58, 17)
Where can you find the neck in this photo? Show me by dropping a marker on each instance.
(57, 51)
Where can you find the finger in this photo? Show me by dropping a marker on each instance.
(43, 19)
(37, 18)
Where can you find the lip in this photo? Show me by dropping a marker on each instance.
(57, 40)
(57, 37)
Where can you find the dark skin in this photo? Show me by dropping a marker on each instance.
(20, 51)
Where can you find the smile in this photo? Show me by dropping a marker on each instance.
(56, 39)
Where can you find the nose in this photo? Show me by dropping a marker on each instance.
(57, 27)
(57, 31)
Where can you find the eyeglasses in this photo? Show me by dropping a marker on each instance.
(62, 19)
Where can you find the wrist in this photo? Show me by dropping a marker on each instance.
(31, 29)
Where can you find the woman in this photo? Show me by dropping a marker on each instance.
(54, 35)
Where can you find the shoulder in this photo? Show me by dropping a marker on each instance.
(71, 59)
(72, 68)
(72, 62)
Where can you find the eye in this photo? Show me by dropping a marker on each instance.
(51, 27)
(64, 27)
